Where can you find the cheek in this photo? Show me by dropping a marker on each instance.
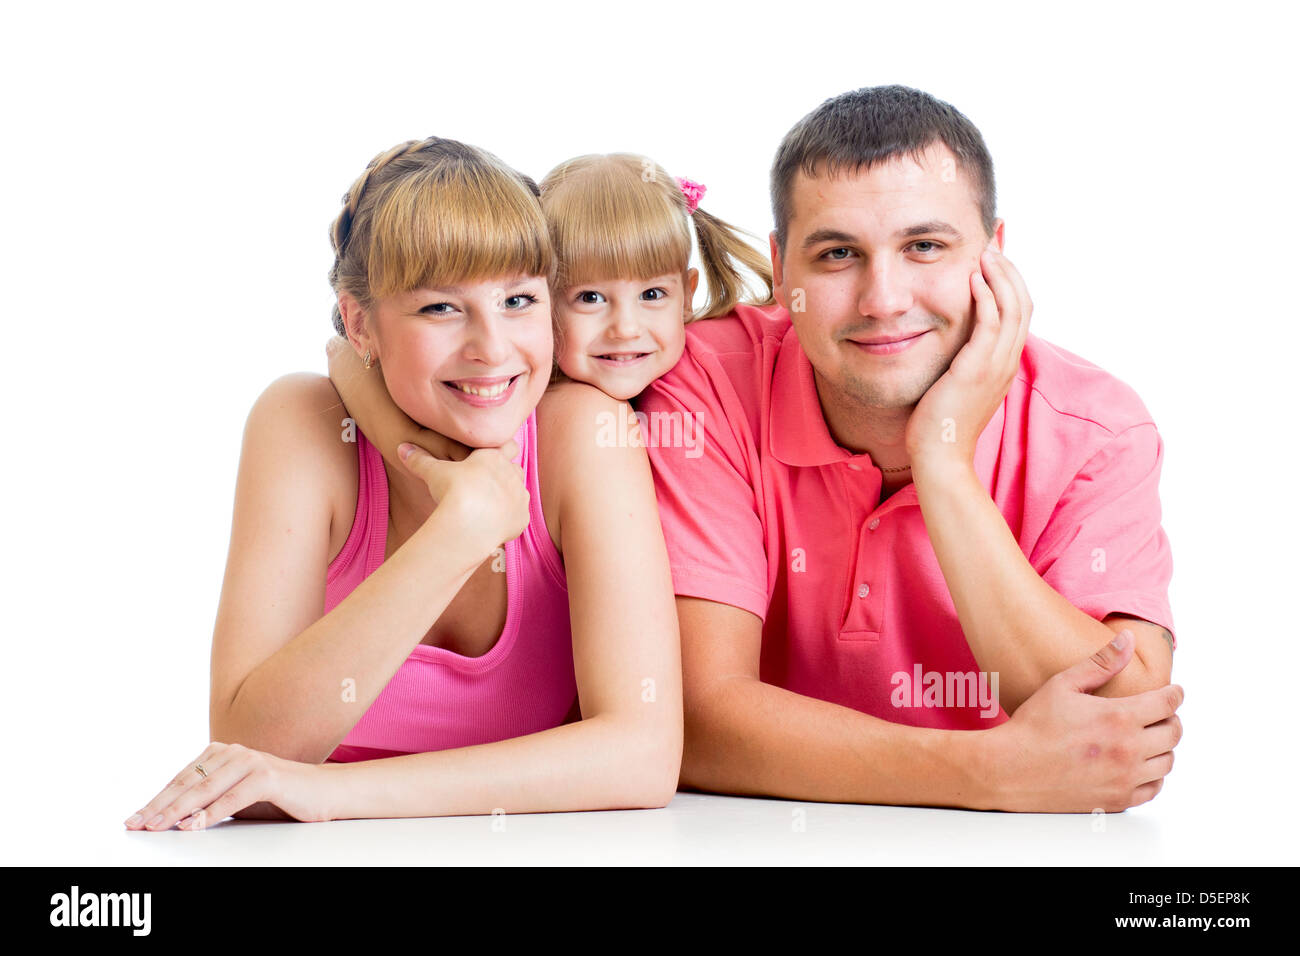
(945, 293)
(674, 343)
(569, 340)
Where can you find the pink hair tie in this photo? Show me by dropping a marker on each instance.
(693, 192)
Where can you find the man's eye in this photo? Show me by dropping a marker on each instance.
(931, 246)
(520, 300)
(835, 258)
(590, 298)
(659, 294)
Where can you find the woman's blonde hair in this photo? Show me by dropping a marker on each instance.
(436, 212)
(621, 216)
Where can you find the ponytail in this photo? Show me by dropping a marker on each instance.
(722, 252)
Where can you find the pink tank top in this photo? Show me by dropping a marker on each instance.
(438, 699)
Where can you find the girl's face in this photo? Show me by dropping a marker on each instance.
(469, 361)
(620, 335)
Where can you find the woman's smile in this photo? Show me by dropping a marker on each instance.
(484, 392)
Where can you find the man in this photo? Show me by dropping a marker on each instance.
(914, 530)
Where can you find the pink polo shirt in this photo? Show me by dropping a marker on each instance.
(762, 510)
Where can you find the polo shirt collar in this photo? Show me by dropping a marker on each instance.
(797, 432)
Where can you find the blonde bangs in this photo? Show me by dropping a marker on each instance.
(606, 223)
(444, 226)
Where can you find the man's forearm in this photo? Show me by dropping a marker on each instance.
(750, 738)
(1015, 623)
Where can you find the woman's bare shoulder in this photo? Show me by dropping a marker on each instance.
(300, 429)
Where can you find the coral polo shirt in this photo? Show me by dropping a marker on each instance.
(762, 510)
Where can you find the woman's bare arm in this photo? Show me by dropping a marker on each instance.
(286, 679)
(626, 751)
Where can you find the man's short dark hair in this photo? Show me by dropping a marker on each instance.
(872, 125)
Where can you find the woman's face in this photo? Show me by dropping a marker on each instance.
(470, 362)
(622, 334)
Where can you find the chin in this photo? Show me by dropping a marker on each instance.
(487, 437)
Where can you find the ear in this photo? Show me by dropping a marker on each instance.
(778, 279)
(999, 234)
(356, 324)
(692, 282)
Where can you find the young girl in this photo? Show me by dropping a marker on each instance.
(409, 638)
(622, 294)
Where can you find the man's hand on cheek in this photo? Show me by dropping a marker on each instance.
(946, 424)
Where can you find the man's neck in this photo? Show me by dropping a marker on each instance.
(878, 432)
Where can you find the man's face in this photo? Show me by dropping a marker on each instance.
(876, 277)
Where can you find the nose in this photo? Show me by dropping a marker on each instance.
(623, 323)
(486, 341)
(885, 291)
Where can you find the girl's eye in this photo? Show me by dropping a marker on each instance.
(590, 298)
(435, 308)
(519, 301)
(661, 294)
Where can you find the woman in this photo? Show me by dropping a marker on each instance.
(439, 679)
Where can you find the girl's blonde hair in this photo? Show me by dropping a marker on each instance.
(621, 216)
(436, 212)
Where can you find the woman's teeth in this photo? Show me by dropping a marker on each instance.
(487, 391)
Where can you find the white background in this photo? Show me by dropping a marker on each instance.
(170, 176)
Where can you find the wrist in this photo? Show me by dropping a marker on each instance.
(332, 781)
(941, 468)
(458, 535)
(986, 758)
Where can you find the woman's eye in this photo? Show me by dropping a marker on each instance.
(519, 301)
(590, 298)
(658, 294)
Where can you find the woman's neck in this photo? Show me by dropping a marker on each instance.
(409, 500)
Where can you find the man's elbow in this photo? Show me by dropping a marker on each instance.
(1137, 677)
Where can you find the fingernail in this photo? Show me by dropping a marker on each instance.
(403, 450)
(156, 820)
(1121, 640)
(135, 820)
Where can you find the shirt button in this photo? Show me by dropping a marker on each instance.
(863, 590)
(873, 524)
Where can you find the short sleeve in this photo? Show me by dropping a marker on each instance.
(706, 488)
(1103, 548)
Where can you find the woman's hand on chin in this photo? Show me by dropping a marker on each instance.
(483, 497)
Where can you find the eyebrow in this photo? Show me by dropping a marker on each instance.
(460, 290)
(933, 225)
(920, 229)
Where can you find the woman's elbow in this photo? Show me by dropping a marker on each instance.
(653, 764)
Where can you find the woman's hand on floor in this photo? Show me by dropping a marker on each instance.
(238, 778)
